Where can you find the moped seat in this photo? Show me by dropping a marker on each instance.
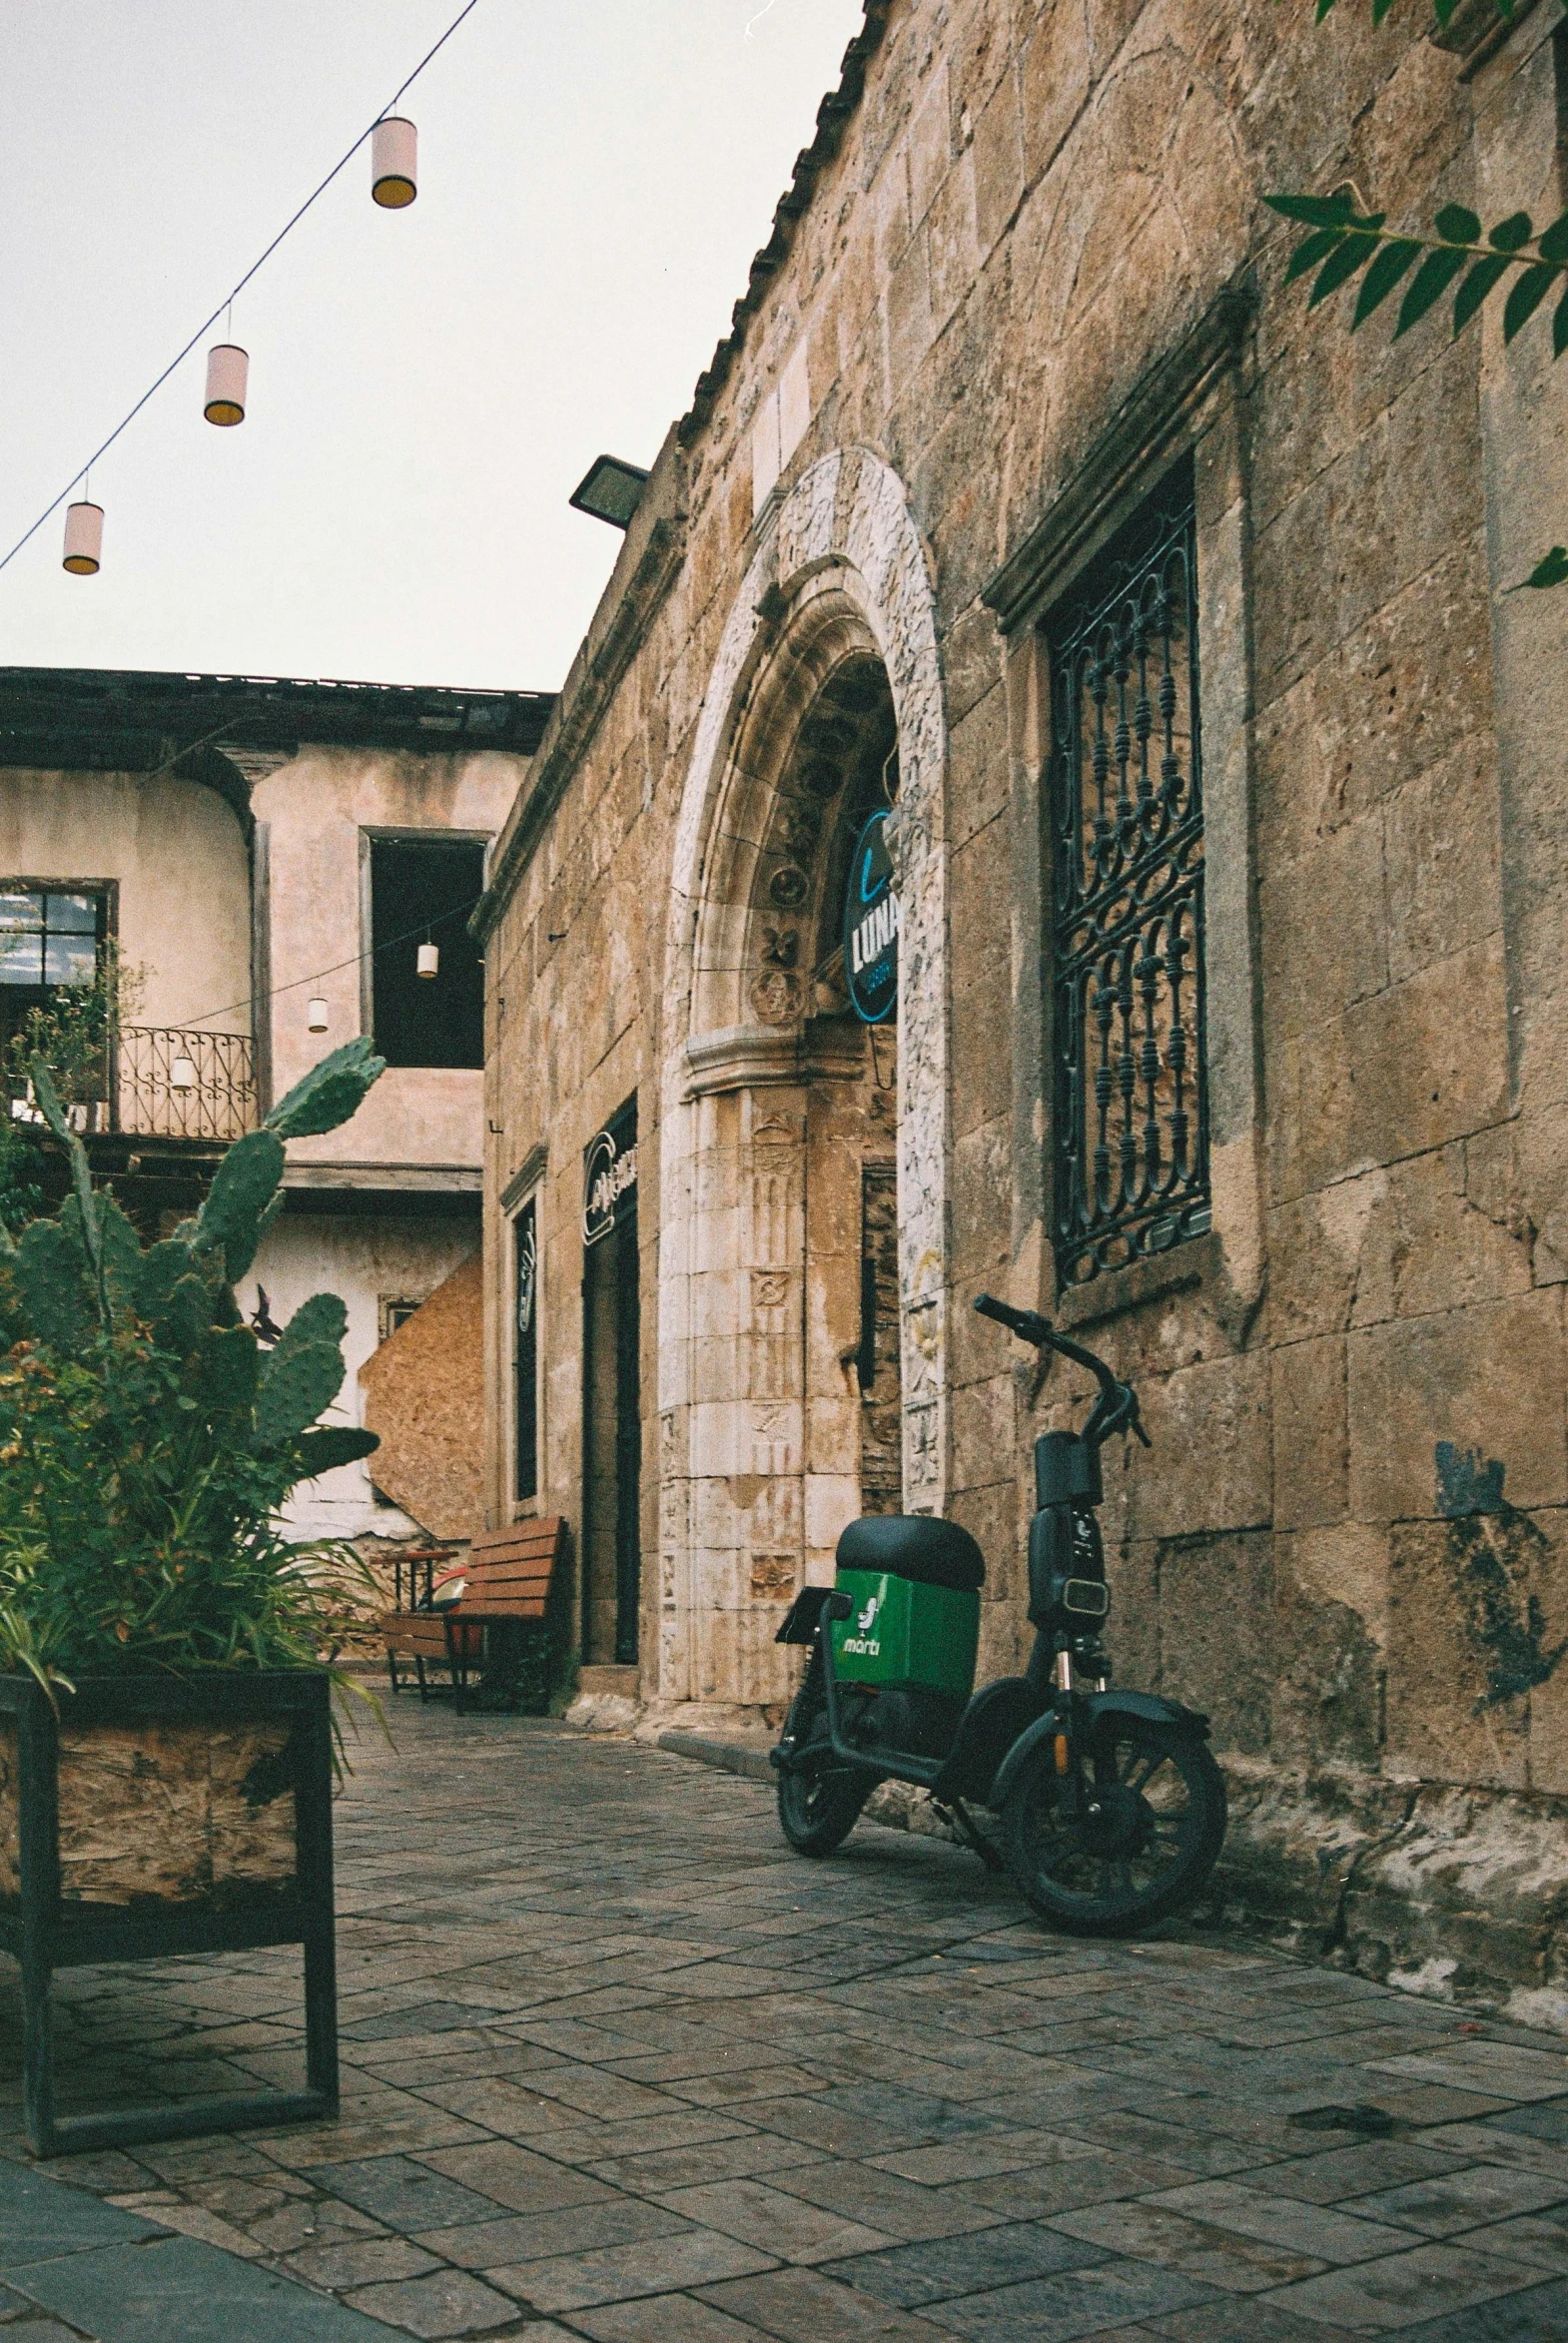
(912, 1545)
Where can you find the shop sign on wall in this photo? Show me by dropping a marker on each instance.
(609, 1186)
(871, 925)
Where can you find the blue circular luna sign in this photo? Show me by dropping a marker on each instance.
(871, 924)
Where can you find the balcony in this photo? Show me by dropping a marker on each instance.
(170, 1081)
(175, 1082)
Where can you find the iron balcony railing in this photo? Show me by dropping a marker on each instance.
(175, 1082)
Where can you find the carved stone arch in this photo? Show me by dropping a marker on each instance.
(808, 725)
(839, 582)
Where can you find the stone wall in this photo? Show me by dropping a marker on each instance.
(1024, 267)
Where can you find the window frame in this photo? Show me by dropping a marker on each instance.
(1159, 535)
(1194, 399)
(373, 834)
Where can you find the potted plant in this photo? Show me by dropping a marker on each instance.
(165, 1736)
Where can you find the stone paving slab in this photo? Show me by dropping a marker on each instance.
(619, 2067)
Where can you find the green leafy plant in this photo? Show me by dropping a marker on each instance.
(147, 1442)
(1345, 243)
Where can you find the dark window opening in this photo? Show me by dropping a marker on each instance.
(50, 938)
(1129, 1126)
(525, 1238)
(423, 891)
(612, 1401)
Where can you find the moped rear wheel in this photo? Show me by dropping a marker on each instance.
(1150, 1833)
(819, 1805)
(819, 1800)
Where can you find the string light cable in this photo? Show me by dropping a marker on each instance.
(355, 958)
(228, 298)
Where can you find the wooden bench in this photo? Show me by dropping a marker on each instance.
(508, 1573)
(412, 1631)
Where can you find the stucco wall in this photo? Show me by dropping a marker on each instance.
(179, 858)
(316, 809)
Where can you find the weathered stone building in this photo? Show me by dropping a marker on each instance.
(1227, 824)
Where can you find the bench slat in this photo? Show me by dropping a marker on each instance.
(508, 1573)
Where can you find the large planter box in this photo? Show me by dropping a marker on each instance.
(151, 1817)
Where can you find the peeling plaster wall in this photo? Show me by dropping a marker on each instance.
(364, 1262)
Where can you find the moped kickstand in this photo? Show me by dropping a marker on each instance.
(956, 1812)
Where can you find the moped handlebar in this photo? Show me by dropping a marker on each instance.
(1115, 1410)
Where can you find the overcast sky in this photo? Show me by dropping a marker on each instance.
(428, 385)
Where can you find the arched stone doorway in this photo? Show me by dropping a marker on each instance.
(802, 1160)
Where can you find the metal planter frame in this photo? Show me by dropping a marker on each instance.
(44, 1932)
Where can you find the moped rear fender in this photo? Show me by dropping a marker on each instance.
(1148, 1707)
(803, 1615)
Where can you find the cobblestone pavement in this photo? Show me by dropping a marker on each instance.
(620, 2066)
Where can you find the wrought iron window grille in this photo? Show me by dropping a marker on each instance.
(1126, 814)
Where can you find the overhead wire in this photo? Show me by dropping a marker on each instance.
(298, 984)
(228, 298)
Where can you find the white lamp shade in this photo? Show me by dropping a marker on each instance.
(226, 368)
(430, 960)
(182, 1074)
(318, 1017)
(83, 538)
(395, 148)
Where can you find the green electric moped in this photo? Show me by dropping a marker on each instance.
(1112, 1808)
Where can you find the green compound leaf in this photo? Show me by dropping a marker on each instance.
(1336, 211)
(1550, 570)
(1317, 248)
(1341, 266)
(1384, 274)
(1553, 246)
(1430, 282)
(1455, 225)
(1483, 276)
(331, 1445)
(1510, 233)
(1526, 297)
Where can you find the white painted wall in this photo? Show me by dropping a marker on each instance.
(177, 852)
(360, 1261)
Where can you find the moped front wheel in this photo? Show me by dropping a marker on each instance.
(1149, 1825)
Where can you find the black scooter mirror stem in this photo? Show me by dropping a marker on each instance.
(1115, 1410)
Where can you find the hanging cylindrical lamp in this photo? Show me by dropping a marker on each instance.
(226, 368)
(317, 1016)
(182, 1074)
(394, 146)
(84, 540)
(430, 960)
